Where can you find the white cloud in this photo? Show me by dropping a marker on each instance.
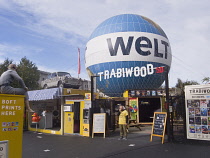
(17, 51)
(73, 72)
(186, 24)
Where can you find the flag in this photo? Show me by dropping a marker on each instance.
(79, 66)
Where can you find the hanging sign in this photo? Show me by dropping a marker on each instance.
(146, 93)
(99, 123)
(159, 125)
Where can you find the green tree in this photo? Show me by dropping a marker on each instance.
(181, 84)
(27, 70)
(29, 73)
(179, 111)
(4, 65)
(206, 80)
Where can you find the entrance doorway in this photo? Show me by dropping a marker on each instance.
(76, 110)
(147, 107)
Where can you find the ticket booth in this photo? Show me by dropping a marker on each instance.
(73, 117)
(76, 112)
(11, 124)
(76, 117)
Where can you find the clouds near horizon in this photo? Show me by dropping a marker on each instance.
(46, 31)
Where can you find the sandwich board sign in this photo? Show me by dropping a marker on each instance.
(99, 123)
(159, 125)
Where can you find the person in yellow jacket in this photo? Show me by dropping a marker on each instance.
(123, 122)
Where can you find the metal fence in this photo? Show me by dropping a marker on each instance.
(178, 119)
(178, 123)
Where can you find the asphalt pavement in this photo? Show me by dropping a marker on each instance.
(40, 145)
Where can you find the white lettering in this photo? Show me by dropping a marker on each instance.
(136, 71)
(8, 101)
(112, 73)
(100, 74)
(106, 74)
(123, 72)
(150, 69)
(143, 71)
(6, 113)
(3, 107)
(126, 72)
(119, 73)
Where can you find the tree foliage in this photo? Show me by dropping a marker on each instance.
(206, 80)
(4, 65)
(181, 84)
(27, 70)
(179, 100)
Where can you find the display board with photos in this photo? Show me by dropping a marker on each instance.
(197, 113)
(145, 93)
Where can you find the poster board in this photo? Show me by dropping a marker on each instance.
(197, 103)
(99, 123)
(159, 125)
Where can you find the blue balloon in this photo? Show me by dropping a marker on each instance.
(127, 52)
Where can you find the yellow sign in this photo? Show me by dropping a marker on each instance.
(11, 123)
(86, 131)
(69, 91)
(87, 96)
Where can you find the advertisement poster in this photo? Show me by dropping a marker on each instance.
(197, 102)
(133, 107)
(146, 93)
(11, 123)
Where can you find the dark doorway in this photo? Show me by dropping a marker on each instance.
(76, 109)
(147, 107)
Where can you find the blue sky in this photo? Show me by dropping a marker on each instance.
(48, 32)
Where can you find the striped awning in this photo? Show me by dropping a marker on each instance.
(44, 94)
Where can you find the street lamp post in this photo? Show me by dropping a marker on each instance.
(92, 99)
(167, 103)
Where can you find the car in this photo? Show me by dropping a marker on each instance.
(61, 79)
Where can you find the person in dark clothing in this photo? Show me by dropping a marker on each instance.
(7, 78)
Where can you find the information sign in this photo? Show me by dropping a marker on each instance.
(99, 123)
(11, 123)
(159, 125)
(197, 104)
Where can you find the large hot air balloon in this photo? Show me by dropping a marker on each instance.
(125, 52)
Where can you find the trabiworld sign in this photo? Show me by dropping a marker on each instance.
(198, 111)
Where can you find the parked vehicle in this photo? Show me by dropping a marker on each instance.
(61, 79)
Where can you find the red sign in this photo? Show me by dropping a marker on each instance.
(159, 69)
